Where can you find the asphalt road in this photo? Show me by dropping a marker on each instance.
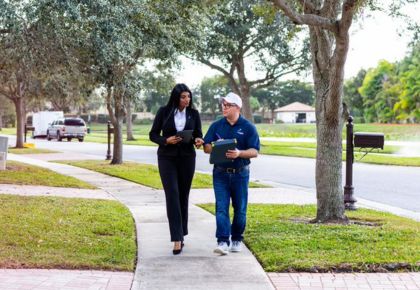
(397, 186)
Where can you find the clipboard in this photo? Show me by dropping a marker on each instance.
(186, 135)
(218, 152)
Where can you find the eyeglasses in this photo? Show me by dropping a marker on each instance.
(228, 105)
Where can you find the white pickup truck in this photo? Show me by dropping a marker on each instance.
(67, 128)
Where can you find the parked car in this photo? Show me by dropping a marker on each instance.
(67, 128)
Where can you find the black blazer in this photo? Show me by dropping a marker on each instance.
(164, 123)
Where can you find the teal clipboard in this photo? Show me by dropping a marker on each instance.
(218, 152)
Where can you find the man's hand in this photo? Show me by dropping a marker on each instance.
(233, 154)
(173, 140)
(198, 142)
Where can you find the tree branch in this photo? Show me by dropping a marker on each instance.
(330, 8)
(228, 75)
(308, 19)
(339, 57)
(348, 10)
(109, 106)
(213, 66)
(307, 6)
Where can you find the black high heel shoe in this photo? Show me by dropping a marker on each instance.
(177, 252)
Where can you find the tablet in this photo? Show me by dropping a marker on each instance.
(186, 135)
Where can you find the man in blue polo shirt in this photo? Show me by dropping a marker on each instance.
(230, 180)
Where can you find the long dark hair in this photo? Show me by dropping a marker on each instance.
(176, 96)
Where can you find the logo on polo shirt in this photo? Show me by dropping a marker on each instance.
(240, 132)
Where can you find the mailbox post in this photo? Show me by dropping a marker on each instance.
(110, 130)
(349, 199)
(28, 128)
(361, 140)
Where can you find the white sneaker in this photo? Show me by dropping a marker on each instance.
(222, 248)
(236, 246)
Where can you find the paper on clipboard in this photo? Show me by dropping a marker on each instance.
(218, 153)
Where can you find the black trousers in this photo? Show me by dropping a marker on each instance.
(176, 174)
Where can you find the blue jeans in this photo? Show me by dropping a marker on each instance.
(230, 186)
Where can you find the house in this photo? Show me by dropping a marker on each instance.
(295, 113)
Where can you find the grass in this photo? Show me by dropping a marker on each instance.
(283, 245)
(296, 149)
(65, 233)
(308, 150)
(144, 174)
(24, 174)
(404, 132)
(30, 151)
(141, 140)
(8, 131)
(391, 131)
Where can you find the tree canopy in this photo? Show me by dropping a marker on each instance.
(388, 93)
(235, 33)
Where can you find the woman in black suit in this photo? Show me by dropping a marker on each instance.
(176, 158)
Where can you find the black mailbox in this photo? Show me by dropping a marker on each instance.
(369, 140)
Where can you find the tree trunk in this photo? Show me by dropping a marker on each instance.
(117, 121)
(329, 124)
(273, 116)
(20, 120)
(1, 120)
(245, 91)
(262, 114)
(246, 105)
(129, 122)
(329, 188)
(116, 115)
(117, 157)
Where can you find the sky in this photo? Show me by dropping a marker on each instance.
(371, 40)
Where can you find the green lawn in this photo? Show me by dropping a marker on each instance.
(283, 241)
(308, 150)
(391, 131)
(25, 174)
(141, 140)
(404, 132)
(144, 174)
(8, 131)
(297, 149)
(30, 151)
(65, 233)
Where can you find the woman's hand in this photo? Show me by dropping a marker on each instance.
(198, 142)
(173, 140)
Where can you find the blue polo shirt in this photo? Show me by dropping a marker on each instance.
(243, 131)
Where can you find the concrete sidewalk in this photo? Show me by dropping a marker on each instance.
(197, 267)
